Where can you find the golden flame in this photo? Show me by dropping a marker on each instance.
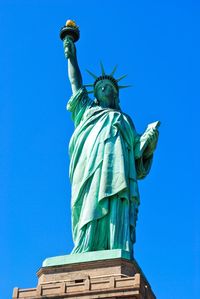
(71, 23)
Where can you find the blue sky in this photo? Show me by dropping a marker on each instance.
(157, 44)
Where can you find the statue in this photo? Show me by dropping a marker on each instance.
(107, 157)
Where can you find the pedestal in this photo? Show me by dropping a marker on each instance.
(99, 274)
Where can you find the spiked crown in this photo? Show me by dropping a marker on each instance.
(103, 76)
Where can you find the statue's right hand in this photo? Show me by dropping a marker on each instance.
(69, 48)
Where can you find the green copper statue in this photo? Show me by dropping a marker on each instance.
(107, 157)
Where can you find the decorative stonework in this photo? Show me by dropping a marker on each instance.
(107, 287)
(113, 278)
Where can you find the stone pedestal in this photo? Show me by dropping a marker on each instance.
(100, 274)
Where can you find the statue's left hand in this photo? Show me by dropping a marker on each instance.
(152, 142)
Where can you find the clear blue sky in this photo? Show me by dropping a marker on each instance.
(157, 44)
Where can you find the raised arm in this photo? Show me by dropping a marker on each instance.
(74, 73)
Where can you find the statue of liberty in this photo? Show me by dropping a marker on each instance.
(107, 158)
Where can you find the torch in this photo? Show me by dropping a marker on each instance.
(71, 30)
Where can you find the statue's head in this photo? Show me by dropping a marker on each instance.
(106, 89)
(106, 94)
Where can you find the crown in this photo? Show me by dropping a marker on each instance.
(104, 76)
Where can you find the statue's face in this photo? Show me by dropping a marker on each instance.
(106, 93)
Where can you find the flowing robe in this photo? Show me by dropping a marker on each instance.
(105, 164)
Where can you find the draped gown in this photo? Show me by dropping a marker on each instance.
(105, 164)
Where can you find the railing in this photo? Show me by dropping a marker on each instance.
(112, 284)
